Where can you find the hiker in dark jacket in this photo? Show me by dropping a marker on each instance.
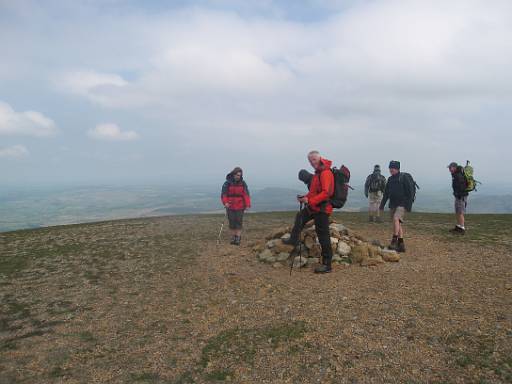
(236, 199)
(460, 193)
(317, 207)
(400, 200)
(306, 177)
(374, 188)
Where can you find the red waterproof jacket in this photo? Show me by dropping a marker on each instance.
(321, 189)
(236, 194)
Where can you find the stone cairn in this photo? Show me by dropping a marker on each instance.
(348, 248)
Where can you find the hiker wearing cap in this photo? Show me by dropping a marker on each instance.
(236, 199)
(460, 192)
(400, 190)
(317, 207)
(374, 188)
(306, 177)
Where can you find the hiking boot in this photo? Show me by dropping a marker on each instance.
(394, 243)
(400, 246)
(237, 240)
(458, 230)
(233, 240)
(323, 269)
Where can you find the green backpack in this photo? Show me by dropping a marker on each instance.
(470, 180)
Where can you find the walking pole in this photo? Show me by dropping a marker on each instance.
(222, 226)
(300, 241)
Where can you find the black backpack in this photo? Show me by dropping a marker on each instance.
(341, 180)
(410, 186)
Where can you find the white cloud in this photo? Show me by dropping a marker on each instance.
(93, 85)
(354, 79)
(217, 67)
(24, 123)
(111, 132)
(15, 151)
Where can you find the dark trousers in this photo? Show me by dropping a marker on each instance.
(322, 231)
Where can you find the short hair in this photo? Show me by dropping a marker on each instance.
(314, 152)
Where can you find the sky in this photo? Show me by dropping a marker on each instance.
(143, 92)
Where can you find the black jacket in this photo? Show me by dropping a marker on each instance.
(459, 183)
(398, 194)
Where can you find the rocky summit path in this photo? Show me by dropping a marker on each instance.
(158, 301)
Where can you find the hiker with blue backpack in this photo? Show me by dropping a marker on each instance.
(401, 192)
(462, 184)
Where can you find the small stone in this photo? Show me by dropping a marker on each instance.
(286, 236)
(373, 252)
(278, 233)
(309, 242)
(266, 255)
(271, 243)
(377, 243)
(279, 247)
(334, 241)
(312, 260)
(340, 228)
(277, 265)
(299, 262)
(370, 262)
(282, 256)
(389, 255)
(360, 253)
(315, 251)
(258, 248)
(343, 248)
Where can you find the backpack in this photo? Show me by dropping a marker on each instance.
(341, 180)
(376, 183)
(411, 187)
(471, 183)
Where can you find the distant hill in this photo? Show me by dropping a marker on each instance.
(32, 208)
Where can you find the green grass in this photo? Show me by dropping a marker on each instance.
(13, 263)
(479, 351)
(241, 344)
(145, 377)
(87, 337)
(219, 375)
(57, 372)
(9, 266)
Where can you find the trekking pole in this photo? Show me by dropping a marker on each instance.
(222, 226)
(300, 241)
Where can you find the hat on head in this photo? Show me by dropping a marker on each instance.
(376, 167)
(394, 164)
(453, 164)
(305, 176)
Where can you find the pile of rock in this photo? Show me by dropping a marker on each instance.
(348, 248)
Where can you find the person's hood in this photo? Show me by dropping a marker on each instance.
(326, 164)
(230, 177)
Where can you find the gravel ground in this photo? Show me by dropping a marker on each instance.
(157, 301)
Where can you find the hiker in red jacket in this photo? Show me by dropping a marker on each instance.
(318, 208)
(236, 199)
